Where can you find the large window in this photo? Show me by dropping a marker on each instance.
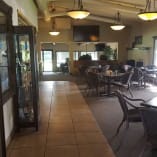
(94, 55)
(62, 57)
(47, 61)
(155, 52)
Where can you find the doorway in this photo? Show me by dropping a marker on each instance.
(47, 61)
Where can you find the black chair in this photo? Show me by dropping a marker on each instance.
(125, 82)
(131, 62)
(138, 78)
(130, 110)
(94, 82)
(149, 119)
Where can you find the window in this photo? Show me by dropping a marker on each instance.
(155, 52)
(94, 55)
(47, 60)
(62, 58)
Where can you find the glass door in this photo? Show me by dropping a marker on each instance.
(47, 61)
(26, 77)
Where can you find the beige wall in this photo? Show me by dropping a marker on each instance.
(66, 36)
(147, 30)
(27, 8)
(29, 11)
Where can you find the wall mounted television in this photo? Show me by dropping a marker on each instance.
(86, 33)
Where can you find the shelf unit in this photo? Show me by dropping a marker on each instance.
(26, 77)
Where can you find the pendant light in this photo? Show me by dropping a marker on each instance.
(79, 13)
(149, 13)
(118, 24)
(54, 32)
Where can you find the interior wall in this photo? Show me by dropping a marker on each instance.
(27, 8)
(8, 120)
(66, 36)
(147, 30)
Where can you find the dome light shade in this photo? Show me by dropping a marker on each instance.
(148, 16)
(55, 33)
(149, 13)
(79, 13)
(117, 27)
(118, 24)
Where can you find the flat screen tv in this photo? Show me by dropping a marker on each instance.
(87, 33)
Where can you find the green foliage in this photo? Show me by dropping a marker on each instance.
(103, 57)
(108, 51)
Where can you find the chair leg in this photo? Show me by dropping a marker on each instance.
(118, 129)
(127, 125)
(122, 140)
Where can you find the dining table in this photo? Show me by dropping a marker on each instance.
(109, 76)
(150, 103)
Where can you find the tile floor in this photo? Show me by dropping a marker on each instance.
(67, 127)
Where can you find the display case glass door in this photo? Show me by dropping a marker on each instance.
(26, 77)
(2, 136)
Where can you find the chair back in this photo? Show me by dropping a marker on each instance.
(122, 102)
(92, 79)
(138, 75)
(105, 68)
(149, 119)
(126, 79)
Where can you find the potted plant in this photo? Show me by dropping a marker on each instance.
(108, 52)
(85, 57)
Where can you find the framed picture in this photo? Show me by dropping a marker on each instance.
(138, 39)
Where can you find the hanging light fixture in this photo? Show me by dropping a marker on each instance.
(79, 13)
(54, 32)
(118, 24)
(149, 13)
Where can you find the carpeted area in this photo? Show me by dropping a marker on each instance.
(108, 114)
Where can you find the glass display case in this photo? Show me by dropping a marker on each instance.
(2, 136)
(26, 77)
(4, 63)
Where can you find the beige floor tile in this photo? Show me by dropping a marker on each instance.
(61, 127)
(79, 107)
(28, 140)
(27, 152)
(55, 113)
(60, 110)
(95, 150)
(86, 127)
(8, 151)
(43, 127)
(83, 118)
(62, 151)
(60, 107)
(80, 111)
(90, 138)
(60, 119)
(60, 139)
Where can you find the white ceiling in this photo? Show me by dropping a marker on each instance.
(101, 10)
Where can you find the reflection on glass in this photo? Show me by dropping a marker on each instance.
(24, 78)
(4, 63)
